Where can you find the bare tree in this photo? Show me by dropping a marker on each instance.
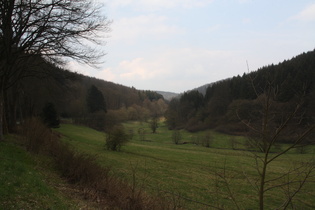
(176, 136)
(53, 30)
(154, 123)
(277, 123)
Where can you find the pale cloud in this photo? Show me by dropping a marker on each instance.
(106, 74)
(134, 28)
(177, 45)
(308, 14)
(139, 69)
(177, 68)
(213, 28)
(154, 5)
(244, 1)
(79, 68)
(246, 21)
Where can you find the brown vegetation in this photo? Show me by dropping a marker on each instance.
(85, 174)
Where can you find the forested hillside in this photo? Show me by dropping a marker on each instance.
(69, 91)
(229, 103)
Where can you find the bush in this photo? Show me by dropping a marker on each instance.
(79, 168)
(36, 135)
(176, 136)
(195, 125)
(85, 173)
(50, 116)
(116, 137)
(94, 120)
(206, 140)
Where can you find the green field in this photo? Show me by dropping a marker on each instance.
(23, 183)
(192, 175)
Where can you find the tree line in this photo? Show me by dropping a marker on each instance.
(228, 102)
(81, 98)
(36, 39)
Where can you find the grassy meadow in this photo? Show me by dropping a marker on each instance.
(222, 175)
(23, 183)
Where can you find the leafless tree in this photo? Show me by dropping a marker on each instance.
(154, 123)
(176, 136)
(53, 30)
(278, 122)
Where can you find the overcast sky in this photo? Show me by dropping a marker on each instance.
(178, 45)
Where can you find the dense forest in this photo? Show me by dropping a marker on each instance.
(224, 106)
(86, 100)
(227, 104)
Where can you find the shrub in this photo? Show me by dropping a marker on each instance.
(50, 116)
(154, 124)
(94, 120)
(79, 168)
(206, 140)
(116, 137)
(141, 133)
(35, 134)
(176, 136)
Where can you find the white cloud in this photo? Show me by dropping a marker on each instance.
(134, 28)
(308, 14)
(213, 28)
(139, 69)
(106, 74)
(79, 68)
(154, 5)
(176, 69)
(244, 1)
(246, 21)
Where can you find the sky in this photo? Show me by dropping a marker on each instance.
(178, 45)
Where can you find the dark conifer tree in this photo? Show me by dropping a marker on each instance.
(95, 100)
(50, 116)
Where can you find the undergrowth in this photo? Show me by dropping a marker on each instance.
(83, 172)
(22, 186)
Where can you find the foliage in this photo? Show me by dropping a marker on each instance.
(49, 116)
(206, 140)
(154, 124)
(274, 123)
(96, 120)
(226, 101)
(68, 92)
(34, 33)
(89, 183)
(95, 100)
(176, 136)
(36, 135)
(151, 95)
(116, 138)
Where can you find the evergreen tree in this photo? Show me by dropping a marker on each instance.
(95, 100)
(50, 116)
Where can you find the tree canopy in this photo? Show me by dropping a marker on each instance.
(50, 29)
(227, 100)
(95, 100)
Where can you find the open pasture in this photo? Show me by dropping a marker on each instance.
(189, 174)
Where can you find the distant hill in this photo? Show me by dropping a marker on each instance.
(214, 105)
(203, 89)
(167, 95)
(68, 92)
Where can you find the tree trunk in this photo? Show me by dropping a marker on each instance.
(262, 183)
(1, 115)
